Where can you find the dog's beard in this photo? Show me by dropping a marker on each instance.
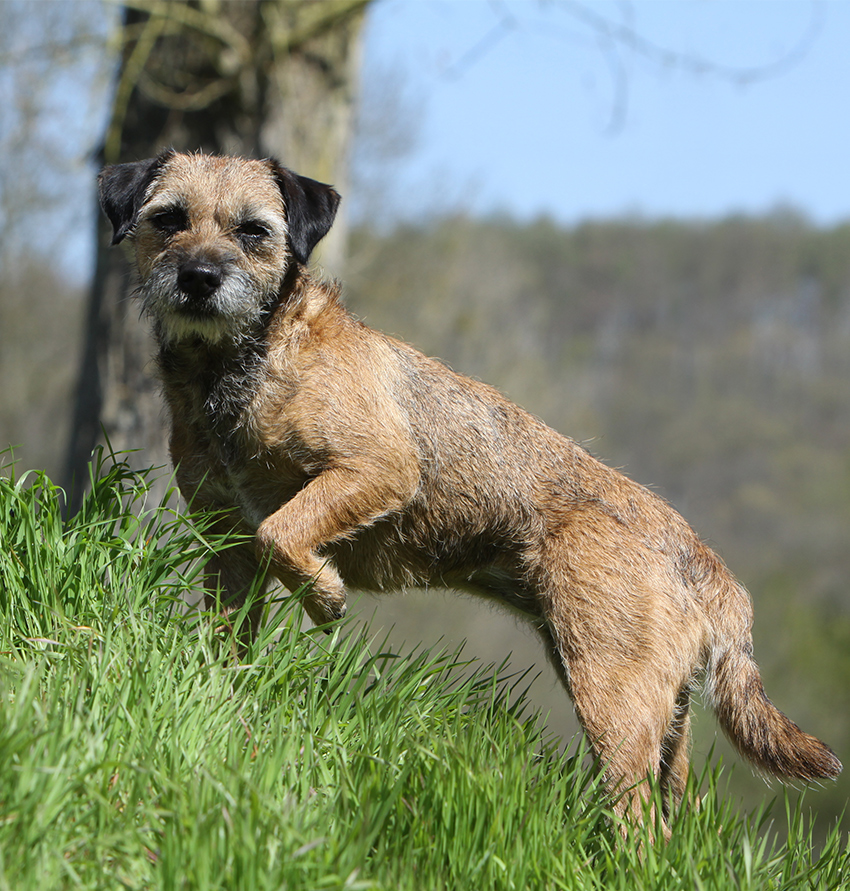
(231, 312)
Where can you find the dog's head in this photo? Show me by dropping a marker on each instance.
(214, 237)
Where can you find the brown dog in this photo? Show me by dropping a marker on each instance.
(353, 459)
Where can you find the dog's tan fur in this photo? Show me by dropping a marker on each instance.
(354, 460)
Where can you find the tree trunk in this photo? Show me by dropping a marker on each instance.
(265, 78)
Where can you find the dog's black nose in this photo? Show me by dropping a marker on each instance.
(198, 279)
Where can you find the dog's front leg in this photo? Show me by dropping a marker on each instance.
(331, 507)
(231, 576)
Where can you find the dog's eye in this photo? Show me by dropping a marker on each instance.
(170, 220)
(251, 233)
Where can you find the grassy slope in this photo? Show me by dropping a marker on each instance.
(134, 752)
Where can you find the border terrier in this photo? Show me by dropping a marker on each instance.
(348, 458)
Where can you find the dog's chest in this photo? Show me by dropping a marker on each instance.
(216, 445)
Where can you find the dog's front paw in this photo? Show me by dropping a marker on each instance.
(324, 608)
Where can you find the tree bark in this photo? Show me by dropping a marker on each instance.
(257, 78)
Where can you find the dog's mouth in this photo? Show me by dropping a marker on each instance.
(192, 308)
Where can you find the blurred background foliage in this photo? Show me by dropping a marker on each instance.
(710, 360)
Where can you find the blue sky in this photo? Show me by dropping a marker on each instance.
(523, 106)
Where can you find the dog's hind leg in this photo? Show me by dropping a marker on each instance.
(627, 690)
(675, 752)
(629, 636)
(626, 725)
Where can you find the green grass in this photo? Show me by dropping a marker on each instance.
(136, 753)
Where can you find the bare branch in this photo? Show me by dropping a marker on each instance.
(614, 37)
(630, 38)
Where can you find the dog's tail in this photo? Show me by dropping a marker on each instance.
(754, 725)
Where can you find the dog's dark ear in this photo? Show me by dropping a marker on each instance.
(310, 210)
(122, 189)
